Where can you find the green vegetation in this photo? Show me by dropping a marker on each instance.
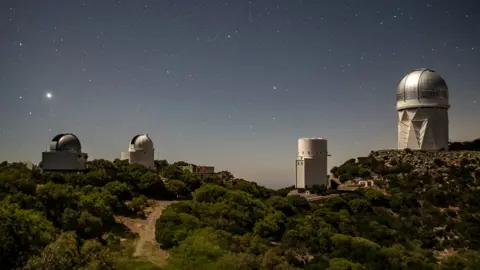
(422, 214)
(67, 221)
(466, 146)
(365, 167)
(425, 219)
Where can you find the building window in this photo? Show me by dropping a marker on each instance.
(411, 95)
(443, 94)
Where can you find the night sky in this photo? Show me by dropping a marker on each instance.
(228, 83)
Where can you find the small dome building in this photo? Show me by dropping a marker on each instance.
(140, 151)
(64, 154)
(422, 107)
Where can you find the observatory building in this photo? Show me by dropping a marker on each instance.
(200, 171)
(311, 163)
(140, 151)
(422, 105)
(65, 154)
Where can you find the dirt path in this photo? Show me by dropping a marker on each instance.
(146, 243)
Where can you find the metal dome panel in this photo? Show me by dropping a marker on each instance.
(142, 142)
(422, 88)
(66, 142)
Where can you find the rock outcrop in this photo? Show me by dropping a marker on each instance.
(423, 161)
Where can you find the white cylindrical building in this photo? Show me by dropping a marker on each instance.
(422, 107)
(311, 163)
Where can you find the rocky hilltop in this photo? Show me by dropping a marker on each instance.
(423, 161)
(380, 165)
(439, 190)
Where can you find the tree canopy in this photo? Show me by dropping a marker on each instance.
(413, 219)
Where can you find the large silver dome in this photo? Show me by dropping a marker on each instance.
(422, 84)
(142, 142)
(66, 142)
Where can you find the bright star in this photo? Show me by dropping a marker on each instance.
(48, 95)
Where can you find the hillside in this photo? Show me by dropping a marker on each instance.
(424, 161)
(422, 214)
(379, 164)
(56, 221)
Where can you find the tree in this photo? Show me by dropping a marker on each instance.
(177, 187)
(62, 254)
(462, 260)
(22, 233)
(172, 228)
(271, 226)
(172, 172)
(160, 164)
(225, 175)
(343, 264)
(238, 224)
(151, 185)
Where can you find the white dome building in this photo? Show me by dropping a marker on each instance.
(422, 106)
(140, 151)
(65, 154)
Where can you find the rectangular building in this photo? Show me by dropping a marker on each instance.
(200, 171)
(63, 161)
(310, 172)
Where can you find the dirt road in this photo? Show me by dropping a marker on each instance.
(146, 241)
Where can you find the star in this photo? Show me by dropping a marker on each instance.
(49, 95)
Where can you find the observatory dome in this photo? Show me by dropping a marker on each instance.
(422, 88)
(142, 142)
(67, 142)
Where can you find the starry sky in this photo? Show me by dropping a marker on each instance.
(228, 83)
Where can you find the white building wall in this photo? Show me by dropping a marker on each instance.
(64, 161)
(311, 166)
(125, 156)
(142, 157)
(423, 128)
(300, 174)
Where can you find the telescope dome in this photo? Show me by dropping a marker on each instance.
(422, 88)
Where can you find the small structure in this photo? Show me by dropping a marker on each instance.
(200, 171)
(64, 154)
(366, 183)
(140, 151)
(311, 163)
